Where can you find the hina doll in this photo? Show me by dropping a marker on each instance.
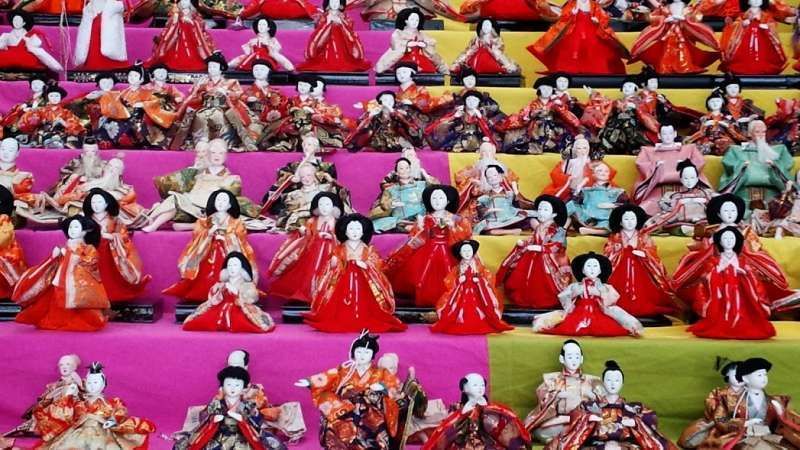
(184, 43)
(214, 237)
(357, 400)
(389, 9)
(410, 44)
(471, 183)
(719, 405)
(782, 213)
(232, 303)
(612, 422)
(100, 43)
(637, 273)
(353, 292)
(589, 305)
(418, 268)
(334, 46)
(475, 423)
(51, 125)
(658, 169)
(9, 123)
(591, 205)
(562, 392)
(93, 420)
(537, 269)
(513, 10)
(545, 125)
(297, 265)
(574, 172)
(268, 103)
(783, 126)
(49, 7)
(12, 259)
(230, 421)
(463, 130)
(17, 182)
(470, 304)
(117, 258)
(676, 42)
(400, 201)
(497, 210)
(107, 116)
(717, 130)
(489, 107)
(65, 291)
(658, 105)
(25, 49)
(581, 42)
(279, 10)
(750, 44)
(264, 46)
(386, 127)
(485, 53)
(683, 209)
(743, 110)
(152, 106)
(416, 98)
(624, 125)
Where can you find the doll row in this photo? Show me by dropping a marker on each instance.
(364, 405)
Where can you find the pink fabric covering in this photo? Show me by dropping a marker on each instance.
(161, 384)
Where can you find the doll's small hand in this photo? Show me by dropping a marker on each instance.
(628, 422)
(398, 204)
(588, 89)
(233, 289)
(325, 235)
(94, 95)
(303, 383)
(236, 416)
(219, 237)
(746, 22)
(751, 422)
(109, 424)
(252, 99)
(56, 252)
(107, 236)
(746, 163)
(72, 390)
(778, 407)
(708, 123)
(639, 253)
(769, 162)
(219, 418)
(308, 109)
(659, 163)
(595, 20)
(593, 290)
(764, 26)
(534, 248)
(63, 251)
(377, 387)
(216, 300)
(595, 418)
(520, 243)
(475, 279)
(361, 264)
(462, 279)
(407, 102)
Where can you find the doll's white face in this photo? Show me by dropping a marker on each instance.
(714, 104)
(160, 74)
(668, 134)
(404, 74)
(214, 69)
(486, 27)
(222, 202)
(592, 268)
(334, 4)
(562, 83)
(303, 88)
(545, 91)
(403, 169)
(236, 359)
(629, 88)
(755, 3)
(98, 204)
(362, 355)
(438, 200)
(475, 387)
(234, 267)
(37, 86)
(217, 152)
(390, 362)
(134, 78)
(613, 381)
(493, 176)
(469, 82)
(66, 366)
(689, 178)
(9, 150)
(106, 84)
(413, 21)
(319, 89)
(756, 380)
(652, 84)
(75, 230)
(734, 89)
(466, 252)
(728, 212)
(487, 150)
(581, 147)
(260, 72)
(758, 130)
(185, 4)
(387, 101)
(601, 172)
(262, 26)
(54, 98)
(307, 175)
(325, 206)
(232, 387)
(728, 240)
(18, 22)
(545, 211)
(310, 145)
(472, 102)
(629, 221)
(94, 384)
(732, 381)
(354, 231)
(572, 359)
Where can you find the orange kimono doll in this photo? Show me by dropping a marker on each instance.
(750, 44)
(297, 265)
(214, 237)
(471, 181)
(118, 259)
(573, 173)
(334, 46)
(470, 304)
(65, 291)
(184, 43)
(12, 260)
(418, 268)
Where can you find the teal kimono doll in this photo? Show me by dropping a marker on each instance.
(400, 201)
(498, 207)
(592, 205)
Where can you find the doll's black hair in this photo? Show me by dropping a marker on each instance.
(715, 205)
(463, 382)
(744, 5)
(402, 18)
(305, 78)
(495, 167)
(246, 266)
(335, 200)
(6, 201)
(342, 4)
(730, 78)
(449, 191)
(715, 94)
(557, 75)
(730, 366)
(365, 340)
(472, 93)
(233, 372)
(104, 76)
(158, 67)
(138, 67)
(615, 219)
(612, 366)
(647, 74)
(113, 205)
(246, 355)
(317, 80)
(479, 25)
(44, 78)
(386, 92)
(544, 81)
(218, 58)
(27, 18)
(410, 65)
(629, 79)
(578, 263)
(751, 365)
(263, 62)
(235, 211)
(456, 248)
(88, 225)
(344, 221)
(737, 248)
(272, 28)
(559, 208)
(96, 368)
(570, 341)
(685, 164)
(467, 72)
(399, 160)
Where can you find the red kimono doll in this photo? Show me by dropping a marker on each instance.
(12, 260)
(717, 130)
(724, 9)
(300, 261)
(214, 237)
(263, 47)
(590, 307)
(353, 293)
(118, 260)
(279, 10)
(470, 303)
(637, 272)
(417, 269)
(624, 125)
(268, 103)
(784, 124)
(389, 9)
(100, 43)
(750, 44)
(537, 269)
(51, 7)
(385, 127)
(232, 303)
(184, 44)
(334, 46)
(51, 125)
(485, 53)
(410, 44)
(65, 291)
(9, 123)
(581, 42)
(670, 44)
(464, 129)
(471, 181)
(24, 48)
(511, 10)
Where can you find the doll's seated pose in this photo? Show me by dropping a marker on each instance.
(411, 45)
(681, 210)
(485, 53)
(500, 208)
(24, 48)
(401, 200)
(591, 204)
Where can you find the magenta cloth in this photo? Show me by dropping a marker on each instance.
(160, 370)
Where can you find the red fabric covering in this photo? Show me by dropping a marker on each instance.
(588, 319)
(530, 285)
(226, 316)
(416, 56)
(95, 60)
(483, 62)
(18, 57)
(509, 10)
(117, 288)
(639, 295)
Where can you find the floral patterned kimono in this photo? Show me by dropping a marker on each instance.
(12, 259)
(714, 138)
(388, 9)
(9, 123)
(388, 131)
(263, 46)
(545, 125)
(750, 49)
(427, 59)
(334, 46)
(784, 126)
(38, 125)
(624, 125)
(568, 175)
(559, 394)
(70, 423)
(354, 417)
(471, 183)
(184, 43)
(719, 406)
(684, 207)
(153, 120)
(496, 211)
(280, 9)
(119, 262)
(39, 411)
(484, 427)
(266, 102)
(460, 131)
(585, 206)
(486, 55)
(387, 217)
(109, 119)
(326, 122)
(228, 310)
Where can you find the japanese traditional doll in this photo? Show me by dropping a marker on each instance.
(449, 101)
(462, 130)
(357, 400)
(92, 420)
(9, 123)
(334, 46)
(581, 42)
(279, 10)
(574, 172)
(782, 214)
(513, 10)
(410, 44)
(589, 305)
(12, 259)
(385, 127)
(683, 209)
(50, 7)
(184, 43)
(470, 304)
(18, 182)
(24, 48)
(676, 42)
(418, 268)
(264, 46)
(718, 130)
(106, 115)
(537, 269)
(622, 126)
(51, 125)
(401, 200)
(353, 293)
(719, 406)
(783, 126)
(742, 109)
(100, 43)
(118, 260)
(417, 98)
(65, 291)
(750, 44)
(152, 104)
(471, 181)
(485, 53)
(213, 238)
(266, 102)
(232, 303)
(389, 9)
(501, 210)
(659, 106)
(476, 423)
(591, 205)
